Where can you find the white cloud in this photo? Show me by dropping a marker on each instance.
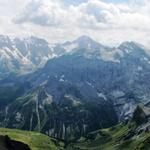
(107, 22)
(44, 13)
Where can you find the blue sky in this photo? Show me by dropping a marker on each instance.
(74, 2)
(77, 2)
(116, 1)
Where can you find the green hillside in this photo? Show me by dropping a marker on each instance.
(36, 141)
(133, 134)
(121, 137)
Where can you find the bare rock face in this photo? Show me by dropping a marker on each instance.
(8, 144)
(141, 114)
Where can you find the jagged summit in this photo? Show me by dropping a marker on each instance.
(84, 38)
(131, 45)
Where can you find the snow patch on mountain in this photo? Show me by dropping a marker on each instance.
(101, 95)
(70, 47)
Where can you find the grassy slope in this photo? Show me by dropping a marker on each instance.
(34, 140)
(112, 139)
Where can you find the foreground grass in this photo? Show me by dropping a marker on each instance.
(105, 139)
(36, 141)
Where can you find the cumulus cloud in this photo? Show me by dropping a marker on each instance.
(44, 13)
(91, 14)
(110, 23)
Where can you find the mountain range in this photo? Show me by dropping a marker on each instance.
(68, 90)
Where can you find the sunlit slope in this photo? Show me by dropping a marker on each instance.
(36, 141)
(130, 135)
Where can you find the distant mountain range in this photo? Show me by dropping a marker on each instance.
(21, 56)
(70, 89)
